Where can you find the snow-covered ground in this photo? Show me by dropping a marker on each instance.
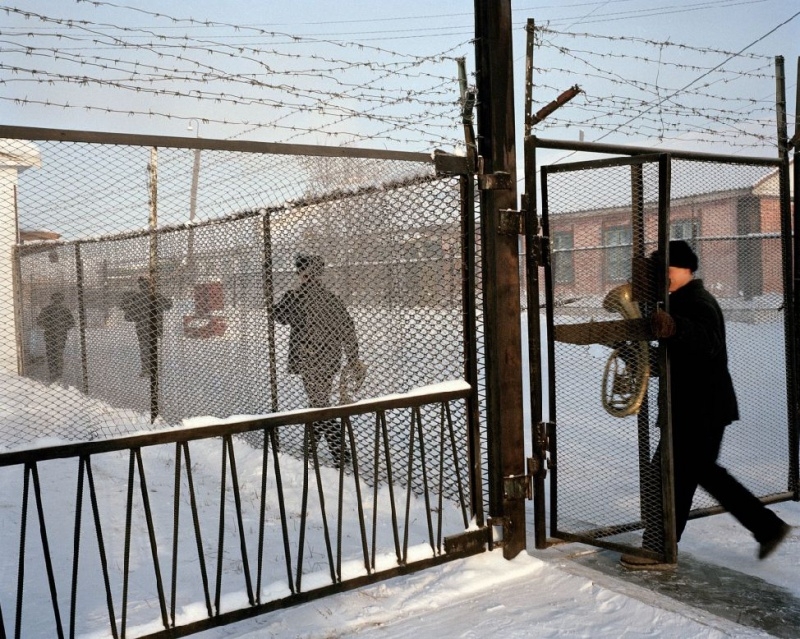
(548, 594)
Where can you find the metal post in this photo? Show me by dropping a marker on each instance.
(790, 273)
(496, 145)
(153, 335)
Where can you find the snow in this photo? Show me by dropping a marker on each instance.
(555, 592)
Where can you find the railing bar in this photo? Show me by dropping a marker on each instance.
(76, 546)
(23, 529)
(176, 495)
(303, 510)
(457, 466)
(101, 547)
(340, 499)
(425, 486)
(287, 554)
(440, 500)
(390, 484)
(126, 442)
(127, 552)
(262, 513)
(321, 493)
(409, 477)
(221, 538)
(359, 497)
(51, 579)
(237, 499)
(375, 486)
(197, 533)
(151, 532)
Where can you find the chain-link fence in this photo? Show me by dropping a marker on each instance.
(187, 282)
(602, 219)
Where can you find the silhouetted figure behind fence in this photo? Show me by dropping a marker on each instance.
(56, 321)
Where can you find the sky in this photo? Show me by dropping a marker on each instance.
(326, 72)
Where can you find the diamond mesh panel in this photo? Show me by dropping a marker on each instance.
(172, 264)
(602, 220)
(603, 455)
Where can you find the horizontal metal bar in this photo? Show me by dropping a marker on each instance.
(597, 147)
(173, 435)
(95, 137)
(602, 163)
(249, 612)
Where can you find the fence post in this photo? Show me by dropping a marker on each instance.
(497, 177)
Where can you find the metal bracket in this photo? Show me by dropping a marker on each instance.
(539, 250)
(469, 542)
(498, 181)
(517, 487)
(448, 164)
(511, 222)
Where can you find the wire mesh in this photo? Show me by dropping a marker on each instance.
(173, 264)
(602, 221)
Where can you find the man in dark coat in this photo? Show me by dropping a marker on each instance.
(56, 320)
(146, 308)
(703, 405)
(321, 329)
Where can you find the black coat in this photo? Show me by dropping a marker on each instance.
(321, 328)
(701, 386)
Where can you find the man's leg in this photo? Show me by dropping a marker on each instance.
(318, 386)
(735, 498)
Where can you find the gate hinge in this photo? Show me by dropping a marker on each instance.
(517, 487)
(539, 250)
(511, 222)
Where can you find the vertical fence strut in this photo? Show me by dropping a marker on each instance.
(76, 546)
(148, 515)
(101, 548)
(237, 498)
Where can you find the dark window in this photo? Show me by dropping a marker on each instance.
(563, 257)
(617, 240)
(685, 230)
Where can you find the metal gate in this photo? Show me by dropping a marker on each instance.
(606, 411)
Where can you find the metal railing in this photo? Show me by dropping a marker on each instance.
(261, 531)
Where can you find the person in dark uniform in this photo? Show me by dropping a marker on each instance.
(145, 308)
(56, 321)
(703, 405)
(321, 330)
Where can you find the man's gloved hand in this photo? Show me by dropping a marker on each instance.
(356, 372)
(662, 324)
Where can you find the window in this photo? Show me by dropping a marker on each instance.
(617, 240)
(563, 257)
(687, 229)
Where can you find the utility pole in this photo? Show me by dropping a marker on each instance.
(500, 226)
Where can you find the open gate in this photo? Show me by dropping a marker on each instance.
(604, 409)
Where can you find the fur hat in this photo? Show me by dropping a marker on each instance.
(682, 255)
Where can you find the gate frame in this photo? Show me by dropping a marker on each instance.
(544, 454)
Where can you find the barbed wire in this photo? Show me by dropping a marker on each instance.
(282, 87)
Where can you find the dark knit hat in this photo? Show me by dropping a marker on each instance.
(682, 255)
(311, 264)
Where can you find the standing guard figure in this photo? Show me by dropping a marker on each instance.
(146, 310)
(321, 328)
(56, 320)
